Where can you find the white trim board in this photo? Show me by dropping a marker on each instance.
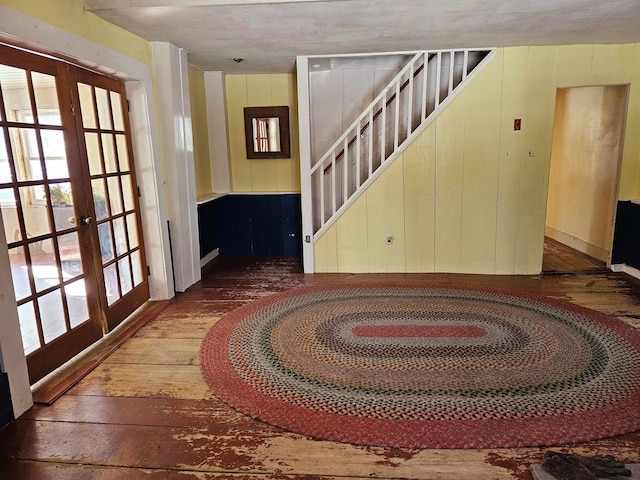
(304, 132)
(209, 257)
(263, 193)
(173, 101)
(577, 244)
(215, 196)
(12, 358)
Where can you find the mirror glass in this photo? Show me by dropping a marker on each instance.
(266, 134)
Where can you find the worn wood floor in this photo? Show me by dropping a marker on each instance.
(146, 412)
(559, 258)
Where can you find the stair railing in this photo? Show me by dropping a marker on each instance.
(405, 106)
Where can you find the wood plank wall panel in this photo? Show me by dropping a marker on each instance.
(480, 175)
(263, 172)
(339, 96)
(325, 252)
(200, 126)
(512, 152)
(352, 238)
(419, 200)
(281, 94)
(251, 224)
(237, 99)
(385, 216)
(358, 90)
(630, 172)
(534, 166)
(574, 64)
(326, 108)
(449, 175)
(606, 59)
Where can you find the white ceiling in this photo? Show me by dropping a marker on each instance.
(269, 34)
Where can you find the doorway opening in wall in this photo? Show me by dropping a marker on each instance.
(588, 137)
(69, 205)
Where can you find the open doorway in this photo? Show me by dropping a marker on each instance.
(587, 145)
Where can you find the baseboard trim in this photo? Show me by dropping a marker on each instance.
(624, 268)
(209, 256)
(577, 244)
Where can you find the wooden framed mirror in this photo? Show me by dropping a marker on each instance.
(266, 131)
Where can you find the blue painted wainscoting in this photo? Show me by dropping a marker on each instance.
(626, 239)
(6, 408)
(251, 225)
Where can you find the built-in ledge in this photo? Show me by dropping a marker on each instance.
(209, 197)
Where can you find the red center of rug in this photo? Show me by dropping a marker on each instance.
(417, 331)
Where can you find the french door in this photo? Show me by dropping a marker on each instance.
(69, 205)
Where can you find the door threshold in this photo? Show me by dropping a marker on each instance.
(58, 382)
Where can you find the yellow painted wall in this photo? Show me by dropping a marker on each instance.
(469, 195)
(70, 15)
(259, 90)
(201, 156)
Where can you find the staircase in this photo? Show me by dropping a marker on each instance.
(392, 120)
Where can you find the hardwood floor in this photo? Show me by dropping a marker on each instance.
(559, 258)
(145, 412)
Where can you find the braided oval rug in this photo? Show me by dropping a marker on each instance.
(427, 367)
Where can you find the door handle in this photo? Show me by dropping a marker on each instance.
(86, 220)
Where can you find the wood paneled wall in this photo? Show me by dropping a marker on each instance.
(627, 235)
(260, 90)
(251, 225)
(6, 408)
(469, 195)
(340, 94)
(199, 122)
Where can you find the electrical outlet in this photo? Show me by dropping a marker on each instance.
(389, 239)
